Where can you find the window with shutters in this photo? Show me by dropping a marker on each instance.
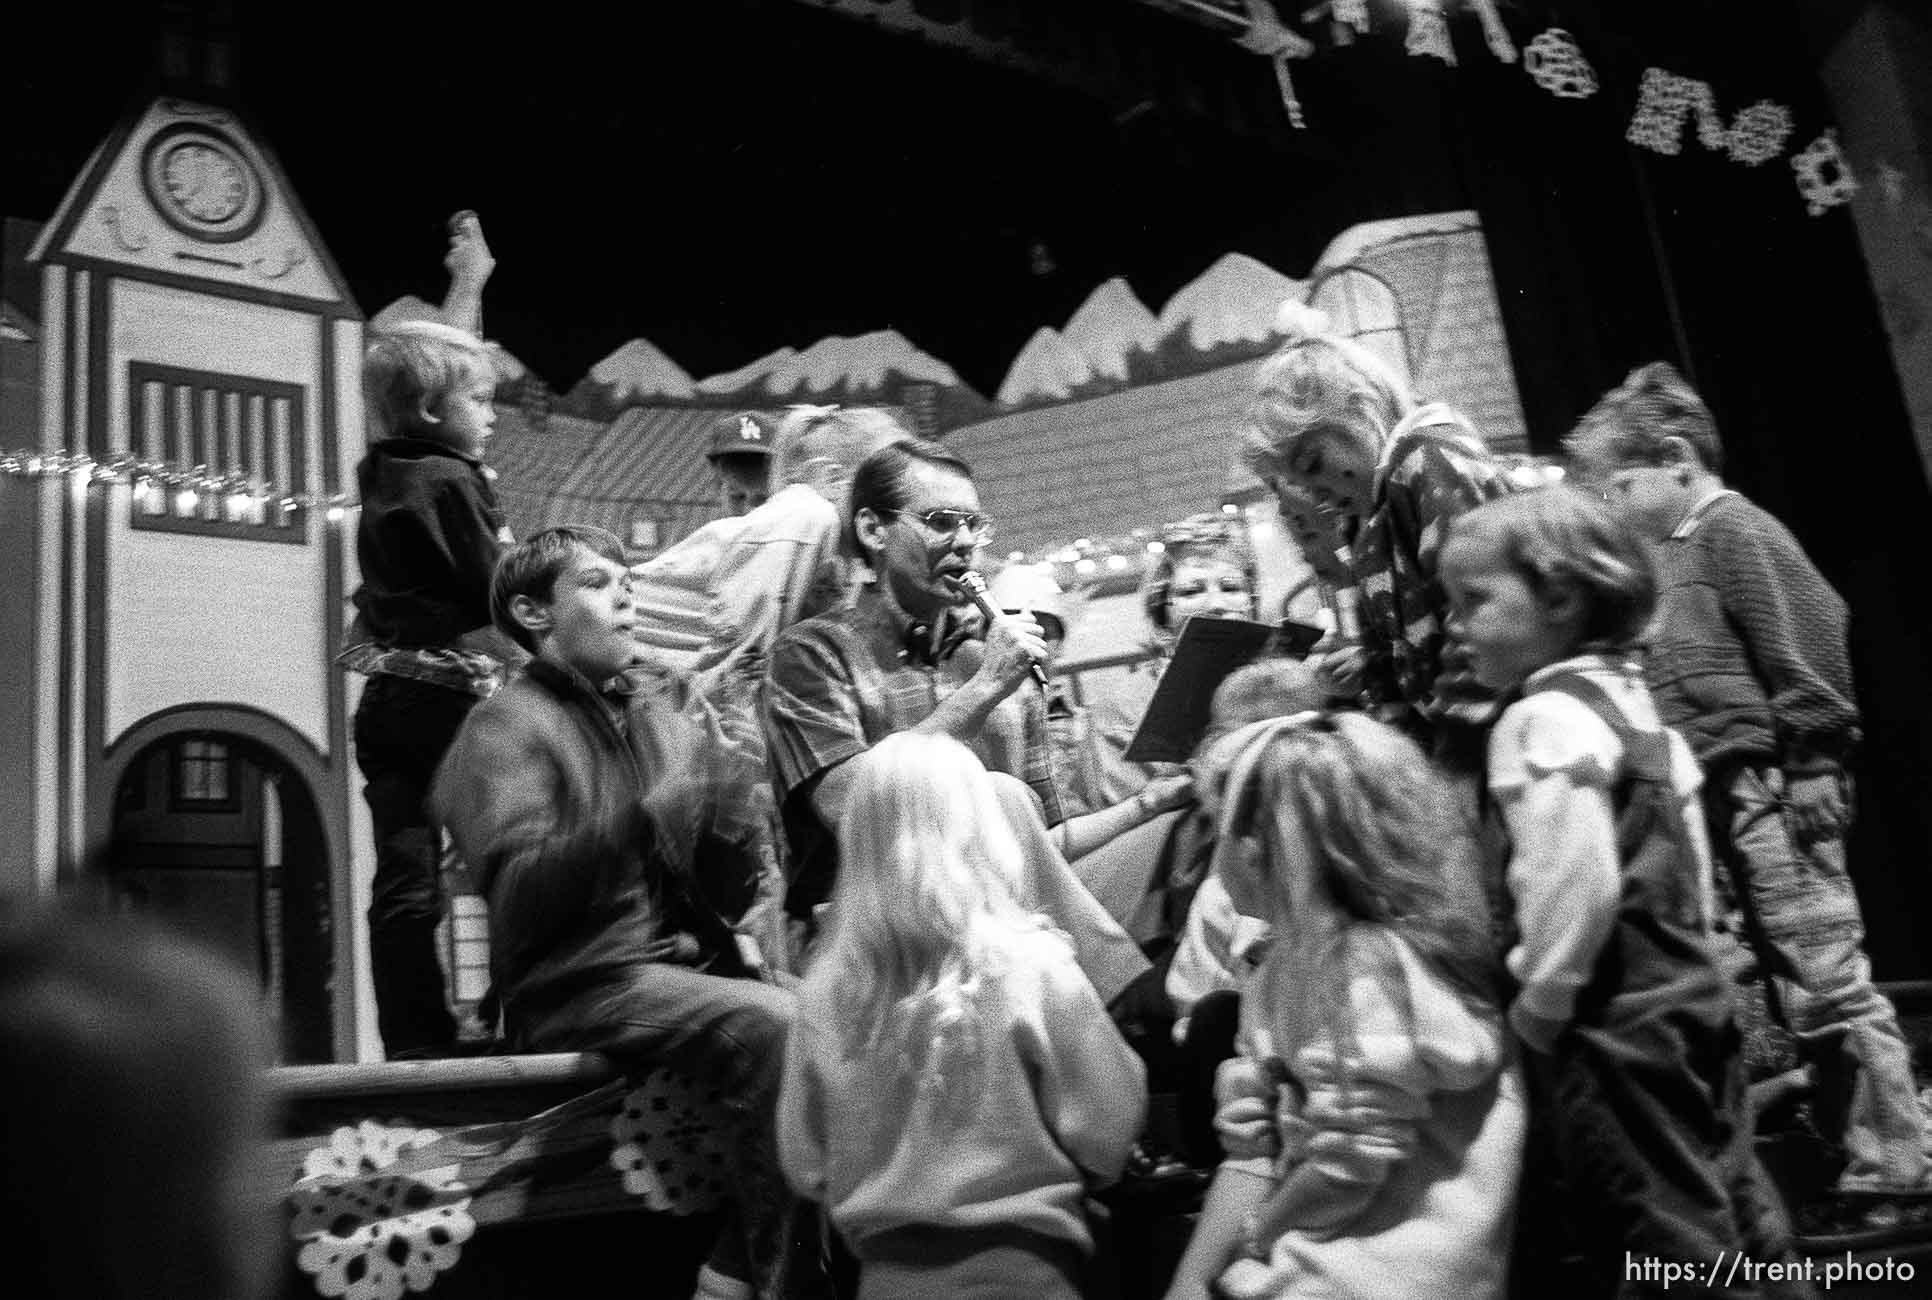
(230, 450)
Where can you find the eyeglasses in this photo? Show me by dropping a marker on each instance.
(947, 523)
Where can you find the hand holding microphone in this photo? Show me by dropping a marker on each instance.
(973, 587)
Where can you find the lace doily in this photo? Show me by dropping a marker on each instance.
(1555, 63)
(670, 1141)
(1824, 177)
(370, 1236)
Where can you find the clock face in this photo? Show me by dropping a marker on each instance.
(203, 183)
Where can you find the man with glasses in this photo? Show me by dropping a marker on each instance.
(910, 653)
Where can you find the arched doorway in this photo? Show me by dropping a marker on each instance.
(215, 833)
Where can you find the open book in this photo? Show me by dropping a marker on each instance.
(1208, 651)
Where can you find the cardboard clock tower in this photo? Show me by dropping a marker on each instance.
(186, 539)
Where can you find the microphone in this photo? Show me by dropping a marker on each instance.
(973, 587)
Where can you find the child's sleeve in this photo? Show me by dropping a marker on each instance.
(1794, 626)
(802, 1143)
(1210, 956)
(538, 862)
(721, 757)
(1365, 1103)
(1550, 764)
(1092, 1088)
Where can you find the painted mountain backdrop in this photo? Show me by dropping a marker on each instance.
(1113, 340)
(882, 366)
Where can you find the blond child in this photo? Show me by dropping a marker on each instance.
(953, 1084)
(1634, 1049)
(1217, 946)
(1367, 481)
(427, 538)
(1391, 1126)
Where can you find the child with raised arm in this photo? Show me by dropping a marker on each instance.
(427, 538)
(599, 824)
(1635, 1054)
(1372, 1045)
(1748, 659)
(953, 1084)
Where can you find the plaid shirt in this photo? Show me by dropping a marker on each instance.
(1435, 468)
(840, 683)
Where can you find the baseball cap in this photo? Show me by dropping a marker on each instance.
(746, 433)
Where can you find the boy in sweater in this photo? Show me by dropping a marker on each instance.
(1748, 659)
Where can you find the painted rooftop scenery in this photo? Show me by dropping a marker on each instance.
(1107, 424)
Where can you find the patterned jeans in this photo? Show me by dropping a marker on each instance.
(1803, 920)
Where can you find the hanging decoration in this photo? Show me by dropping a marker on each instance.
(1665, 100)
(1352, 13)
(1755, 136)
(1429, 32)
(1824, 176)
(1089, 562)
(1758, 134)
(1555, 63)
(1494, 32)
(244, 495)
(1268, 36)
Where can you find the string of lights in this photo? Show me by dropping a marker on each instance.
(1089, 560)
(159, 485)
(157, 481)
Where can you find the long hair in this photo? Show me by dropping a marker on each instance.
(1357, 843)
(926, 904)
(1317, 377)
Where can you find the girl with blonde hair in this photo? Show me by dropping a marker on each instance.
(953, 1084)
(1367, 481)
(1374, 1119)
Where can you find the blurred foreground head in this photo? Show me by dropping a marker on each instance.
(133, 1113)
